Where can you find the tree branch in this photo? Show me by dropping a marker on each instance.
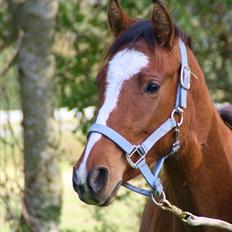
(14, 55)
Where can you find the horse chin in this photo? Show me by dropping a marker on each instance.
(111, 196)
(98, 200)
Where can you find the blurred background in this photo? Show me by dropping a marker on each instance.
(50, 53)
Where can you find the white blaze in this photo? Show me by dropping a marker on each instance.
(124, 65)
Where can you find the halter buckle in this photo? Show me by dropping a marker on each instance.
(139, 149)
(185, 78)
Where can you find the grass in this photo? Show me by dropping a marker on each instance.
(121, 216)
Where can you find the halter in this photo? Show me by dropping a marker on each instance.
(152, 176)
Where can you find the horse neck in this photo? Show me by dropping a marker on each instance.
(199, 177)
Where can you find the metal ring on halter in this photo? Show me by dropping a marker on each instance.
(179, 112)
(160, 203)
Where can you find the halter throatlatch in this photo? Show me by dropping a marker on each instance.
(141, 150)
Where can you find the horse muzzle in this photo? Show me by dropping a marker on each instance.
(93, 190)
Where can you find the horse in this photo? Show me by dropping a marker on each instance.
(147, 68)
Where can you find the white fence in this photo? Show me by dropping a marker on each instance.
(68, 120)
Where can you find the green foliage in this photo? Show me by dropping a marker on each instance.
(209, 23)
(52, 213)
(23, 227)
(84, 27)
(82, 35)
(9, 89)
(4, 25)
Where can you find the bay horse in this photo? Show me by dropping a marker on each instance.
(145, 72)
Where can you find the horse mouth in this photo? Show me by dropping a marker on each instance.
(110, 198)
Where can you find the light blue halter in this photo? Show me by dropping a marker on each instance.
(152, 177)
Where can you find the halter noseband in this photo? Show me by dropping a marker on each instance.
(152, 177)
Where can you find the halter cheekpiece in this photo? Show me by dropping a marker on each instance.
(152, 176)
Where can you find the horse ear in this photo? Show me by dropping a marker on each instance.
(162, 25)
(118, 20)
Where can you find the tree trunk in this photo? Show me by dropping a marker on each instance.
(42, 197)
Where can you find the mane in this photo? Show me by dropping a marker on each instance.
(226, 115)
(141, 30)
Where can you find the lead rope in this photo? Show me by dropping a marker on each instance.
(188, 217)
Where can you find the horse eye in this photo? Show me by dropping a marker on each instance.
(151, 87)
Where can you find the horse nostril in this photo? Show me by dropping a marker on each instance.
(98, 179)
(79, 188)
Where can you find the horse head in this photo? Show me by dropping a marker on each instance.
(137, 92)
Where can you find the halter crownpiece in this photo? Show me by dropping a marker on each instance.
(152, 177)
